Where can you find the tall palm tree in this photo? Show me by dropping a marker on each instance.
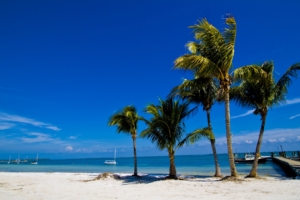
(212, 58)
(259, 90)
(201, 91)
(126, 121)
(166, 127)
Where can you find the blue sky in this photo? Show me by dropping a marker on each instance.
(67, 66)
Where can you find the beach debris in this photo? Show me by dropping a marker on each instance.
(107, 175)
(231, 178)
(103, 176)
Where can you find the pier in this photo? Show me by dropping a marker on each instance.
(290, 167)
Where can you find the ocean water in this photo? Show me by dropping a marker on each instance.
(195, 165)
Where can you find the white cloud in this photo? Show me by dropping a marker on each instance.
(54, 128)
(23, 120)
(38, 137)
(72, 137)
(292, 117)
(83, 150)
(298, 138)
(272, 140)
(272, 135)
(249, 112)
(69, 148)
(288, 102)
(292, 101)
(281, 139)
(249, 141)
(4, 126)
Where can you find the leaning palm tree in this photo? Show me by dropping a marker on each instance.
(126, 121)
(201, 91)
(166, 128)
(259, 90)
(212, 58)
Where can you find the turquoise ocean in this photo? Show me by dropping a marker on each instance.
(194, 165)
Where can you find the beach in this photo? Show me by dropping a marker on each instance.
(20, 185)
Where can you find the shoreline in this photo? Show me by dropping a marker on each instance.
(55, 185)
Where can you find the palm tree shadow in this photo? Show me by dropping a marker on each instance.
(145, 179)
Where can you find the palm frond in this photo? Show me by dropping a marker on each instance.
(249, 72)
(166, 127)
(201, 91)
(228, 46)
(196, 135)
(285, 79)
(126, 120)
(196, 63)
(213, 54)
(284, 82)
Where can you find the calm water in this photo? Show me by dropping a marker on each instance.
(201, 165)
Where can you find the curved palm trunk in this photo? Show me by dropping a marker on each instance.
(172, 170)
(217, 166)
(134, 155)
(253, 172)
(228, 134)
(213, 146)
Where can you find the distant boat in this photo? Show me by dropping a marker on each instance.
(9, 160)
(249, 158)
(25, 159)
(111, 162)
(18, 160)
(36, 162)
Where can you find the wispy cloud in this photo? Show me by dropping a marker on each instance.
(4, 126)
(288, 102)
(249, 112)
(69, 148)
(292, 101)
(37, 137)
(72, 137)
(292, 117)
(23, 120)
(273, 135)
(54, 128)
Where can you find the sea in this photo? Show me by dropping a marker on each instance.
(186, 165)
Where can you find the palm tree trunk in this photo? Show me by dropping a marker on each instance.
(172, 170)
(134, 155)
(213, 146)
(228, 134)
(217, 166)
(253, 172)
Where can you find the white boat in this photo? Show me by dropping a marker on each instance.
(18, 160)
(249, 158)
(111, 162)
(9, 160)
(36, 162)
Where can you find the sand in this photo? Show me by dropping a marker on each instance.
(84, 186)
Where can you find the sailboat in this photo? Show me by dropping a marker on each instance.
(9, 160)
(111, 162)
(36, 162)
(18, 160)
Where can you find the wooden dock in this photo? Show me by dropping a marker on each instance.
(290, 167)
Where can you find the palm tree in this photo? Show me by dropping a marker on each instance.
(259, 90)
(212, 58)
(166, 127)
(126, 121)
(201, 91)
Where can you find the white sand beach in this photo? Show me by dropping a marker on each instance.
(83, 186)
